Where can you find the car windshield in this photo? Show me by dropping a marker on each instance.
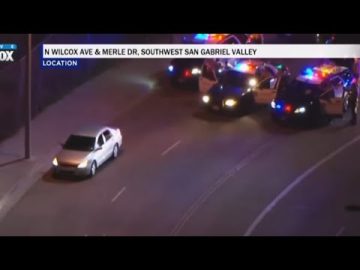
(299, 89)
(80, 143)
(235, 78)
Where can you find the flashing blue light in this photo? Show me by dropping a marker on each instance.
(171, 68)
(278, 106)
(202, 36)
(347, 83)
(309, 72)
(243, 67)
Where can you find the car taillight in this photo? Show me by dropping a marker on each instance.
(288, 108)
(187, 73)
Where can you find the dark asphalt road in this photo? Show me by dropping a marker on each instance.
(184, 171)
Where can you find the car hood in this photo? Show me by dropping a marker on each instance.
(72, 156)
(221, 91)
(297, 97)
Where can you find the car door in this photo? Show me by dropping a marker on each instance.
(109, 143)
(100, 150)
(266, 90)
(208, 76)
(332, 99)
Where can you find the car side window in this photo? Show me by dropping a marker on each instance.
(100, 140)
(273, 82)
(265, 84)
(107, 135)
(328, 92)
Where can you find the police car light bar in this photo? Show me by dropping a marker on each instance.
(202, 36)
(213, 37)
(244, 67)
(320, 72)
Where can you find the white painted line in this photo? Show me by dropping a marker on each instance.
(213, 188)
(170, 148)
(118, 194)
(293, 184)
(340, 231)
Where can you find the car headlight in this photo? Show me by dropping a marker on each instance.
(252, 82)
(195, 71)
(55, 162)
(171, 68)
(273, 104)
(300, 110)
(83, 164)
(230, 102)
(206, 99)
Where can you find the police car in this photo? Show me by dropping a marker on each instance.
(186, 72)
(337, 38)
(214, 38)
(239, 85)
(318, 91)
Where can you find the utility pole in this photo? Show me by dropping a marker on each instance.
(28, 104)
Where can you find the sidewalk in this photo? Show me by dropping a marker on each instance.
(97, 101)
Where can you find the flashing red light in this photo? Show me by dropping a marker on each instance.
(187, 73)
(245, 67)
(288, 108)
(217, 37)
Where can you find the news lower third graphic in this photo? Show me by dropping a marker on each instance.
(55, 63)
(83, 51)
(63, 63)
(69, 55)
(7, 52)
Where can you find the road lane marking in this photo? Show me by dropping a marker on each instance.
(170, 148)
(296, 182)
(214, 187)
(118, 194)
(340, 231)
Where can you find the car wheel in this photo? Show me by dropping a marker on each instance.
(93, 169)
(115, 151)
